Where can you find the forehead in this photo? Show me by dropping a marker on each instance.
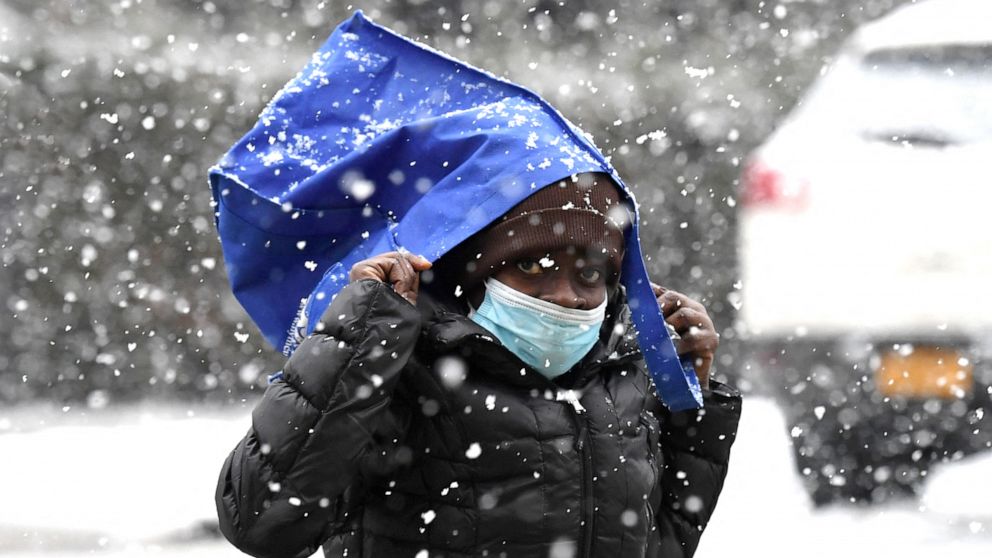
(576, 253)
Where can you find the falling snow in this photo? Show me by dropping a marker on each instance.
(114, 288)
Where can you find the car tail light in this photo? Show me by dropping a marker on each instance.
(763, 186)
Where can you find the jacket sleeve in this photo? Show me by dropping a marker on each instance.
(696, 449)
(284, 486)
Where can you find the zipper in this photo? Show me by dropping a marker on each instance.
(572, 399)
(585, 470)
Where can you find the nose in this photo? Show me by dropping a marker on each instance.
(562, 292)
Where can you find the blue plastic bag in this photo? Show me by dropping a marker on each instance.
(381, 143)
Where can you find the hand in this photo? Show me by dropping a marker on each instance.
(399, 269)
(691, 322)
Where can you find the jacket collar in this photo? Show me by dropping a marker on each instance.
(447, 329)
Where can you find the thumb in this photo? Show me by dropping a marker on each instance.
(419, 263)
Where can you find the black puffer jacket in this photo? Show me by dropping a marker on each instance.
(398, 432)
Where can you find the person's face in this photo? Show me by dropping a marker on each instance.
(570, 277)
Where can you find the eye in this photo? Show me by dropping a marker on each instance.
(591, 274)
(528, 266)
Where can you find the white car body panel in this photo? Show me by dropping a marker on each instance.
(883, 237)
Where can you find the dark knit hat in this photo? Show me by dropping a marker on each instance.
(585, 212)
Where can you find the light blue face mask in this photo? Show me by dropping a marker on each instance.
(548, 337)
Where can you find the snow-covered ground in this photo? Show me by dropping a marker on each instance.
(113, 483)
(140, 481)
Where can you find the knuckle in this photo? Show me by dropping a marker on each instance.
(683, 314)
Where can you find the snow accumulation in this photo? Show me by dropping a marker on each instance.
(140, 481)
(114, 482)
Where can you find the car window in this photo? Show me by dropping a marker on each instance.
(939, 58)
(930, 96)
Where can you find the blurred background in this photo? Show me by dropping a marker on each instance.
(812, 170)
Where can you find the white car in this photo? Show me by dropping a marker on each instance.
(866, 253)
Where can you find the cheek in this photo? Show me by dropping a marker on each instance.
(595, 296)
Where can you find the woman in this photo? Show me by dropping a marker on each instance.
(497, 402)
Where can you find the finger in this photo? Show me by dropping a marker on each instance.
(413, 265)
(702, 364)
(419, 263)
(679, 299)
(700, 352)
(403, 277)
(686, 318)
(400, 272)
(670, 301)
(400, 269)
(684, 348)
(699, 341)
(377, 267)
(368, 269)
(658, 289)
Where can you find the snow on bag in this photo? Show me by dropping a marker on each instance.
(381, 143)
